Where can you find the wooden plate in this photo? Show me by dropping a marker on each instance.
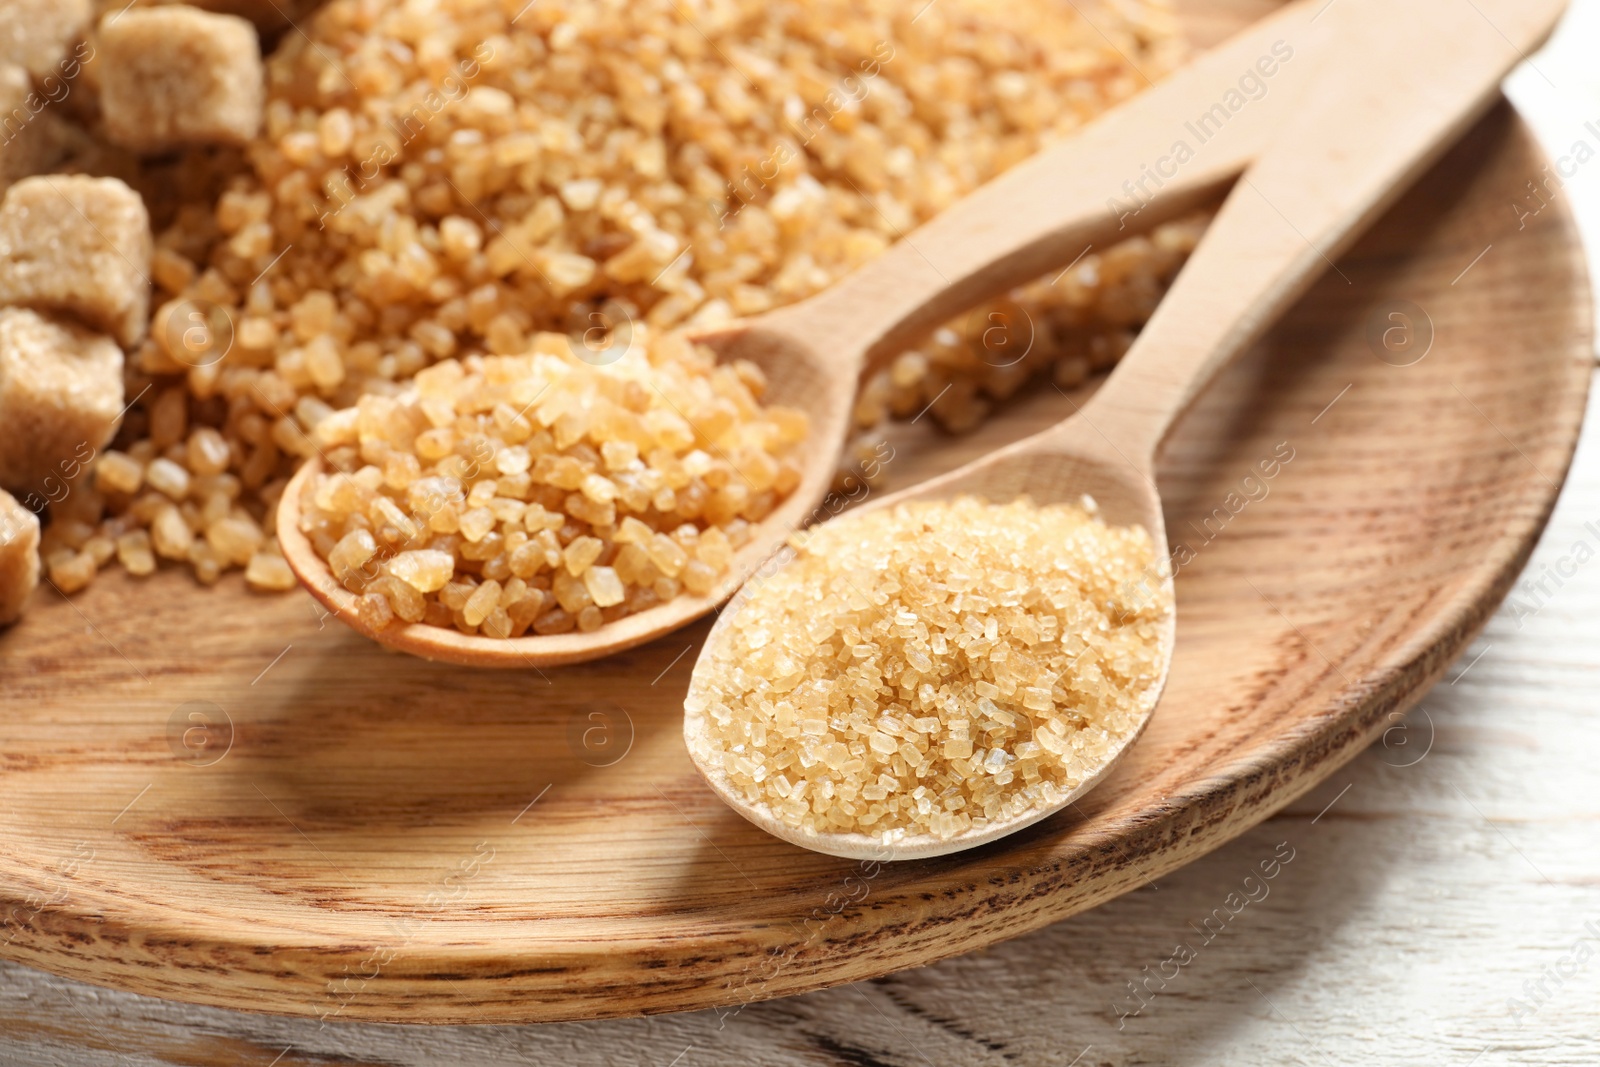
(225, 798)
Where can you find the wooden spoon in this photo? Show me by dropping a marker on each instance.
(1089, 190)
(1402, 84)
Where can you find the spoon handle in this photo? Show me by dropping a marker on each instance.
(1083, 191)
(1404, 82)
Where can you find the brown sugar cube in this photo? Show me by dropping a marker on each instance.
(37, 34)
(177, 75)
(19, 557)
(20, 128)
(81, 245)
(60, 400)
(30, 134)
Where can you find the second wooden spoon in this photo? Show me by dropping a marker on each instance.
(1403, 83)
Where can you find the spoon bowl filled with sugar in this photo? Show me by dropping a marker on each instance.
(952, 663)
(383, 522)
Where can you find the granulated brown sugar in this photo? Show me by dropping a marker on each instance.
(934, 667)
(457, 179)
(504, 494)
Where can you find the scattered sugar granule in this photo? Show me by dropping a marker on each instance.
(176, 75)
(36, 34)
(80, 245)
(933, 668)
(503, 494)
(60, 398)
(269, 572)
(19, 557)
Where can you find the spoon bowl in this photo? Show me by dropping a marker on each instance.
(1061, 466)
(797, 377)
(1406, 84)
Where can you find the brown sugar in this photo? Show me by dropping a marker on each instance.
(500, 495)
(933, 668)
(19, 557)
(30, 137)
(80, 245)
(454, 179)
(36, 34)
(175, 75)
(60, 399)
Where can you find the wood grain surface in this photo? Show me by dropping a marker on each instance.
(369, 837)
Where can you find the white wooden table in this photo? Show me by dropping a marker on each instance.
(1441, 906)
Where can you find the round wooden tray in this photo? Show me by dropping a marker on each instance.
(230, 799)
